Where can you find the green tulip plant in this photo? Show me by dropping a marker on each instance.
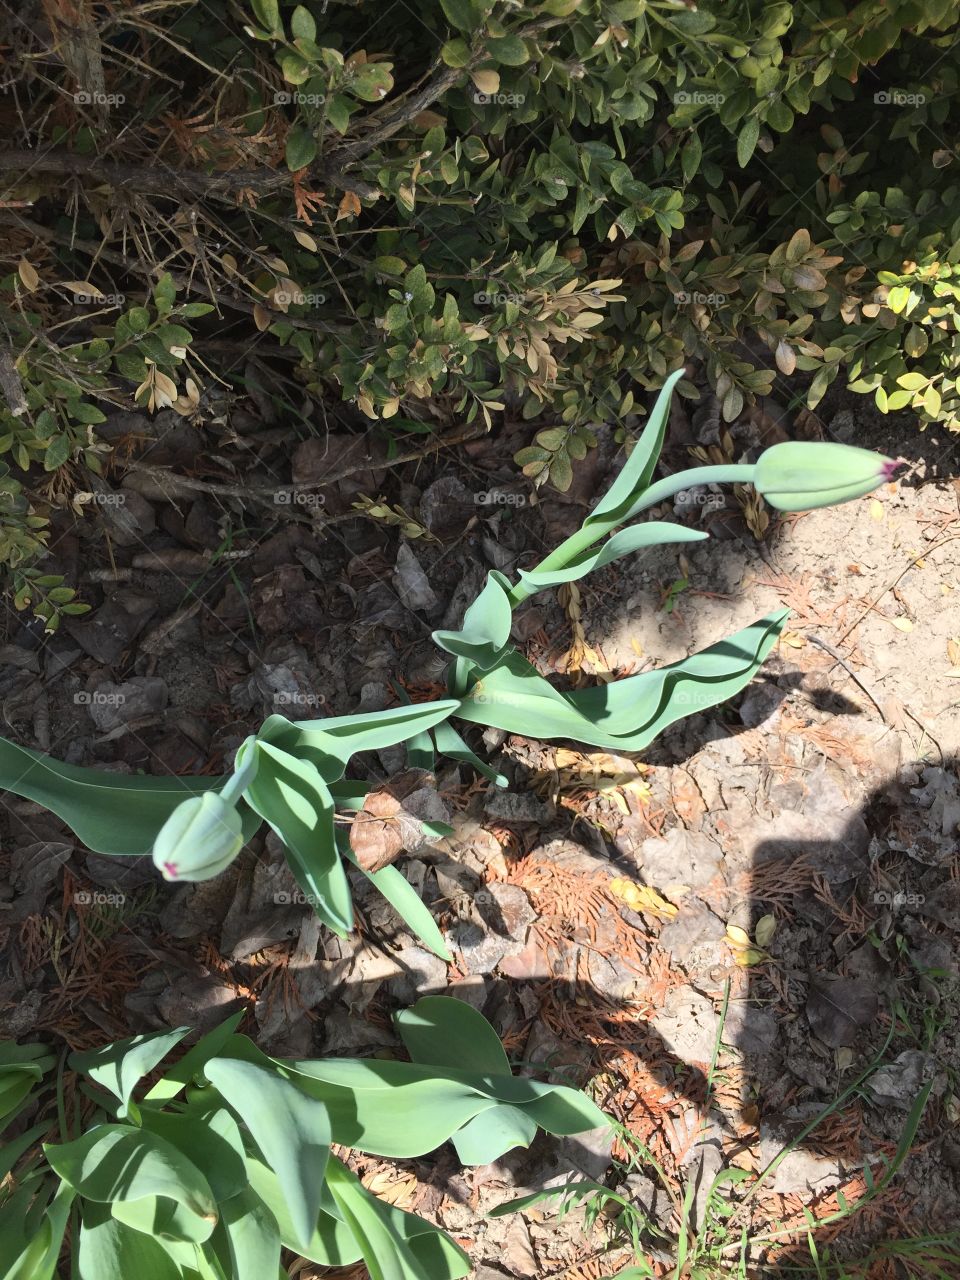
(225, 1160)
(291, 774)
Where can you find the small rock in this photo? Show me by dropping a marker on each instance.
(838, 1008)
(898, 1083)
(688, 1024)
(112, 705)
(681, 857)
(412, 584)
(516, 806)
(694, 939)
(423, 974)
(753, 1031)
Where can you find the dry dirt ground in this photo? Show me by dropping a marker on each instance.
(780, 878)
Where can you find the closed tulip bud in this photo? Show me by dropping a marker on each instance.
(801, 475)
(200, 839)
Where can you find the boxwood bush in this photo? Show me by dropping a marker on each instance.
(442, 210)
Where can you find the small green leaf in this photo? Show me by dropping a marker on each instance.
(301, 148)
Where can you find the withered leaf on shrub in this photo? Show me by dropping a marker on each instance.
(385, 826)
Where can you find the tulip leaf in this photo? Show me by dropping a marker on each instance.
(332, 1243)
(449, 743)
(489, 1136)
(111, 1250)
(118, 1163)
(442, 1032)
(247, 1237)
(637, 472)
(407, 903)
(291, 1129)
(486, 624)
(90, 801)
(210, 1138)
(120, 1066)
(294, 800)
(655, 533)
(627, 714)
(194, 1060)
(388, 1254)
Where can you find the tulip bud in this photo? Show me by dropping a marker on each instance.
(200, 839)
(801, 475)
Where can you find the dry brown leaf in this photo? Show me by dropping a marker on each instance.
(28, 275)
(382, 829)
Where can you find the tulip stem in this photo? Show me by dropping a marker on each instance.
(585, 537)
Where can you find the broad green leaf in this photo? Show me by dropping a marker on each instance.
(291, 1129)
(340, 737)
(442, 1032)
(387, 1254)
(747, 140)
(332, 1243)
(462, 14)
(42, 1241)
(110, 1250)
(637, 471)
(293, 798)
(626, 714)
(120, 1066)
(486, 623)
(654, 533)
(210, 1139)
(409, 906)
(247, 1238)
(111, 813)
(301, 148)
(119, 1163)
(489, 1136)
(163, 1218)
(194, 1060)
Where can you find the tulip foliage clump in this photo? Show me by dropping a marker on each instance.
(292, 774)
(224, 1161)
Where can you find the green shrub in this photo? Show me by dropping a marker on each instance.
(226, 1158)
(490, 202)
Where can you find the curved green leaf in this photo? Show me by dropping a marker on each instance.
(90, 801)
(117, 1163)
(407, 903)
(625, 715)
(654, 533)
(110, 1250)
(293, 798)
(120, 1066)
(291, 1129)
(637, 472)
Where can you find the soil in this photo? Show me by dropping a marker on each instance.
(820, 809)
